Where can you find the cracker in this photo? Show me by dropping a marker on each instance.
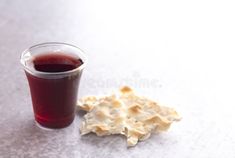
(125, 113)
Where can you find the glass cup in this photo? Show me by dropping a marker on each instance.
(53, 71)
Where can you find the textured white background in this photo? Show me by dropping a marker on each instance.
(178, 52)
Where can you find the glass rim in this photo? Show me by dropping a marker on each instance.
(81, 55)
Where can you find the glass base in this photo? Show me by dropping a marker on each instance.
(44, 128)
(52, 125)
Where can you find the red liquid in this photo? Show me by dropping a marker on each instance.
(54, 99)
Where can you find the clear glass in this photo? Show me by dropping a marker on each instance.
(53, 94)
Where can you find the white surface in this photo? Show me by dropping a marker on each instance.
(178, 52)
